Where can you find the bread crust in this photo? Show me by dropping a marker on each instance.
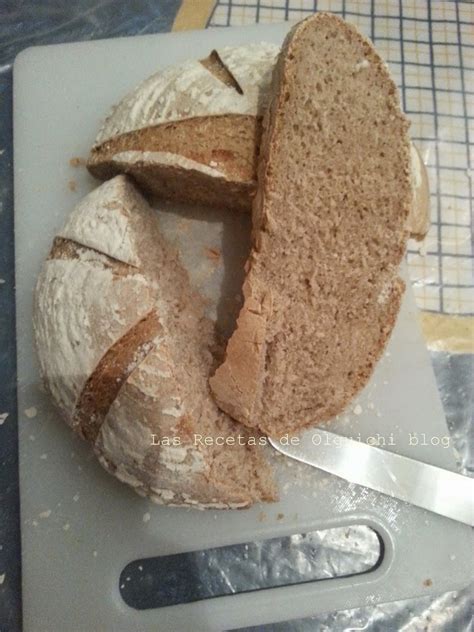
(419, 217)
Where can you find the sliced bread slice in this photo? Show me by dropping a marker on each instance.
(322, 290)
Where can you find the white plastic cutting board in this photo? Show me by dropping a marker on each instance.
(73, 556)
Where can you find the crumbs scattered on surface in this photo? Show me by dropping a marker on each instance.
(94, 553)
(427, 583)
(45, 514)
(76, 497)
(34, 523)
(2, 578)
(77, 162)
(357, 410)
(213, 254)
(3, 418)
(66, 526)
(32, 437)
(280, 516)
(44, 456)
(31, 412)
(72, 185)
(371, 405)
(2, 281)
(146, 517)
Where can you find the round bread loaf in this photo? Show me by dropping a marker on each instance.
(124, 351)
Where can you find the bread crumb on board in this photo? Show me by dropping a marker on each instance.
(31, 412)
(72, 185)
(45, 514)
(428, 582)
(3, 418)
(213, 254)
(77, 162)
(146, 517)
(280, 516)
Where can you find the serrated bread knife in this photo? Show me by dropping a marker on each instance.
(433, 488)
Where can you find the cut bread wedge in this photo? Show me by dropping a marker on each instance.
(191, 133)
(124, 346)
(322, 290)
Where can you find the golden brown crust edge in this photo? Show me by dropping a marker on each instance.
(419, 219)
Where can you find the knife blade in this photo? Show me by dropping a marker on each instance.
(421, 484)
